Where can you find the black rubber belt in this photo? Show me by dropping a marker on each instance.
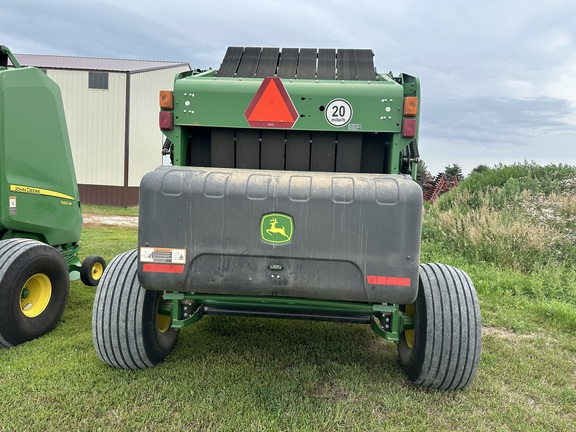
(288, 63)
(306, 63)
(230, 62)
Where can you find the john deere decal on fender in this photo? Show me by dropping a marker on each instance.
(37, 191)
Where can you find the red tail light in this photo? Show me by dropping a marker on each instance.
(409, 128)
(166, 120)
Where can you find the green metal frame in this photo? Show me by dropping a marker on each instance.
(70, 254)
(387, 321)
(205, 99)
(4, 50)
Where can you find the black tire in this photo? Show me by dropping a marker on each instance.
(34, 285)
(125, 328)
(92, 269)
(443, 351)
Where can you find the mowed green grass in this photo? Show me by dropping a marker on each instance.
(257, 374)
(247, 374)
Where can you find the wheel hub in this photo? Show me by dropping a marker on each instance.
(97, 271)
(35, 295)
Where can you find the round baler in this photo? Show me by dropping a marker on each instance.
(40, 214)
(292, 195)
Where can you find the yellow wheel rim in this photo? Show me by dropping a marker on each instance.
(409, 334)
(35, 295)
(164, 322)
(97, 270)
(164, 315)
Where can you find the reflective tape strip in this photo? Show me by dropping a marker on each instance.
(387, 280)
(163, 268)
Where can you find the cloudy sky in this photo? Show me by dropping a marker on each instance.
(498, 76)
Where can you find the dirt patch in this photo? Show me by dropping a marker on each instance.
(110, 220)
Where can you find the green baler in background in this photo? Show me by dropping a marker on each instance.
(40, 214)
(291, 196)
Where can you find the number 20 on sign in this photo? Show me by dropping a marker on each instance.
(338, 112)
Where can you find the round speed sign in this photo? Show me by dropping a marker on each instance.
(338, 112)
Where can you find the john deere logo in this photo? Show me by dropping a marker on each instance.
(276, 228)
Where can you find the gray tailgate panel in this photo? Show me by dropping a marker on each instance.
(352, 237)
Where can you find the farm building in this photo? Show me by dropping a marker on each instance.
(112, 110)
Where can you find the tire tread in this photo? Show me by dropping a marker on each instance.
(118, 317)
(450, 349)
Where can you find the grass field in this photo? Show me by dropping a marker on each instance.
(254, 374)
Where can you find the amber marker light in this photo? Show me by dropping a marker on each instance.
(166, 99)
(410, 106)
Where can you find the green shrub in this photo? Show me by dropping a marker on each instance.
(521, 217)
(505, 182)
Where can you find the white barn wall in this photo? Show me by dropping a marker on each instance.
(114, 141)
(95, 121)
(145, 142)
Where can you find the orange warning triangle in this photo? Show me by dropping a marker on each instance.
(271, 106)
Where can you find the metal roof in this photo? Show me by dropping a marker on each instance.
(94, 64)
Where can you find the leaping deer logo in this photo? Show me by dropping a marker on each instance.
(276, 228)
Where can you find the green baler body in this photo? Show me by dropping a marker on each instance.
(208, 105)
(218, 101)
(315, 138)
(38, 190)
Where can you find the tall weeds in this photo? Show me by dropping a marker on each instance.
(521, 217)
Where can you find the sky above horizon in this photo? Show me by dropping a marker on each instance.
(498, 77)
